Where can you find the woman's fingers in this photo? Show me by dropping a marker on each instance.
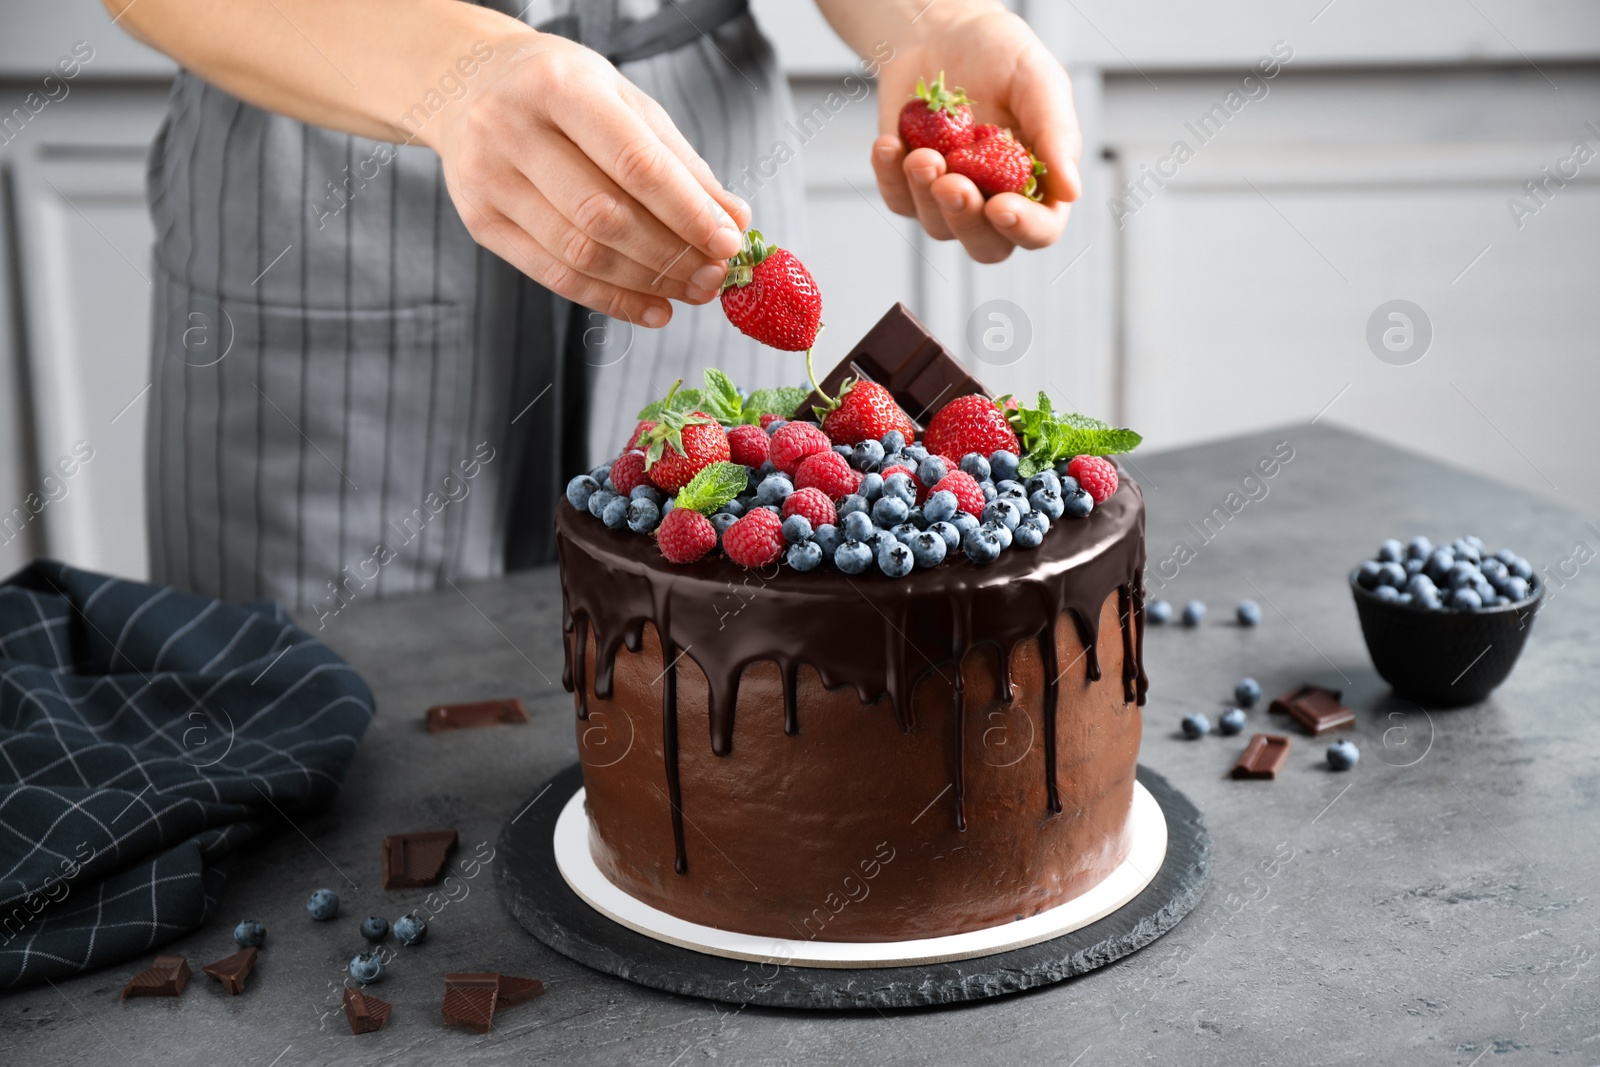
(888, 159)
(657, 118)
(964, 214)
(923, 167)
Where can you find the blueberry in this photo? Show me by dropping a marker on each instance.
(827, 537)
(580, 489)
(1037, 519)
(367, 967)
(1465, 600)
(1388, 593)
(1193, 612)
(1342, 755)
(1462, 576)
(1439, 564)
(1414, 566)
(1010, 489)
(852, 557)
(976, 466)
(1003, 510)
(915, 453)
(774, 489)
(374, 928)
(856, 526)
(1247, 692)
(898, 486)
(845, 452)
(734, 508)
(1003, 464)
(1001, 531)
(1419, 548)
(1158, 612)
(948, 532)
(1232, 721)
(1248, 612)
(988, 490)
(796, 528)
(668, 506)
(1370, 574)
(890, 510)
(1045, 479)
(917, 517)
(871, 487)
(721, 521)
(981, 545)
(1464, 549)
(866, 456)
(1391, 551)
(1424, 594)
(323, 905)
(1077, 503)
(852, 504)
(1392, 574)
(1196, 725)
(601, 473)
(904, 532)
(893, 441)
(1494, 570)
(598, 501)
(805, 556)
(250, 934)
(1506, 556)
(409, 929)
(964, 521)
(895, 559)
(928, 547)
(1027, 535)
(767, 468)
(1521, 568)
(1517, 588)
(643, 515)
(1475, 541)
(932, 470)
(775, 425)
(1484, 589)
(648, 492)
(1047, 501)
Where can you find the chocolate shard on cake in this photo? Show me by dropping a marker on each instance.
(475, 715)
(365, 1012)
(470, 1000)
(232, 970)
(902, 356)
(166, 977)
(417, 860)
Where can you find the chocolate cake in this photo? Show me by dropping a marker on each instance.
(815, 755)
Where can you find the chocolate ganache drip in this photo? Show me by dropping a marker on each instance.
(725, 618)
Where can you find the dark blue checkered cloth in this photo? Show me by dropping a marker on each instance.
(145, 736)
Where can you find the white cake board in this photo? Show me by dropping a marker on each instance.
(1146, 821)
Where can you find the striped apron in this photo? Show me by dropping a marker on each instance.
(352, 399)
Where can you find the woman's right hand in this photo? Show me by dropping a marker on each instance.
(566, 170)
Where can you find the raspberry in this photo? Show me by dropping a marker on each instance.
(829, 472)
(814, 504)
(748, 445)
(1096, 474)
(685, 536)
(795, 441)
(638, 432)
(627, 472)
(969, 497)
(755, 540)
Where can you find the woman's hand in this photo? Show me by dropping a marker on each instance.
(1015, 82)
(566, 170)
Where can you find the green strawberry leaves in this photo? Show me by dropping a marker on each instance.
(720, 399)
(1048, 437)
(713, 486)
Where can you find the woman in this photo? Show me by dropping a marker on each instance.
(416, 260)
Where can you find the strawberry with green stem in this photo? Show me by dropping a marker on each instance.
(770, 296)
(681, 444)
(937, 118)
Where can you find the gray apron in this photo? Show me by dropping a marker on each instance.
(352, 399)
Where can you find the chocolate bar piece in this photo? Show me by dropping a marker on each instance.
(1315, 708)
(470, 1000)
(166, 977)
(509, 989)
(414, 861)
(902, 356)
(1263, 756)
(475, 714)
(232, 970)
(366, 1012)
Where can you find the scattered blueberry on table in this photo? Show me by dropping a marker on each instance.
(1232, 721)
(1249, 613)
(1158, 612)
(1193, 612)
(409, 929)
(323, 905)
(1460, 576)
(1342, 755)
(1196, 725)
(1247, 692)
(367, 967)
(250, 934)
(374, 928)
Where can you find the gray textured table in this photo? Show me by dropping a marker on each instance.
(1436, 905)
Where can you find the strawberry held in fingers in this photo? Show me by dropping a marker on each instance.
(938, 118)
(770, 296)
(998, 164)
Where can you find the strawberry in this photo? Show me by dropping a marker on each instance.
(865, 412)
(770, 417)
(755, 540)
(769, 295)
(814, 504)
(793, 442)
(970, 424)
(639, 431)
(828, 472)
(968, 494)
(627, 472)
(685, 536)
(985, 130)
(747, 444)
(680, 444)
(937, 118)
(998, 164)
(1096, 474)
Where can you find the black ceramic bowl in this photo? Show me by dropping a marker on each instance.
(1444, 659)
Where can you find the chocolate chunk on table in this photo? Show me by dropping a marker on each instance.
(470, 1000)
(1262, 757)
(475, 714)
(509, 989)
(415, 861)
(1315, 708)
(232, 970)
(366, 1012)
(902, 356)
(166, 977)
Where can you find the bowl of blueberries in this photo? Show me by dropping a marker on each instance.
(1445, 624)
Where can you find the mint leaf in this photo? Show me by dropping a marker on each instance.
(720, 398)
(781, 401)
(1048, 437)
(713, 486)
(682, 401)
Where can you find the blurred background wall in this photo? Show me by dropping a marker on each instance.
(1395, 232)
